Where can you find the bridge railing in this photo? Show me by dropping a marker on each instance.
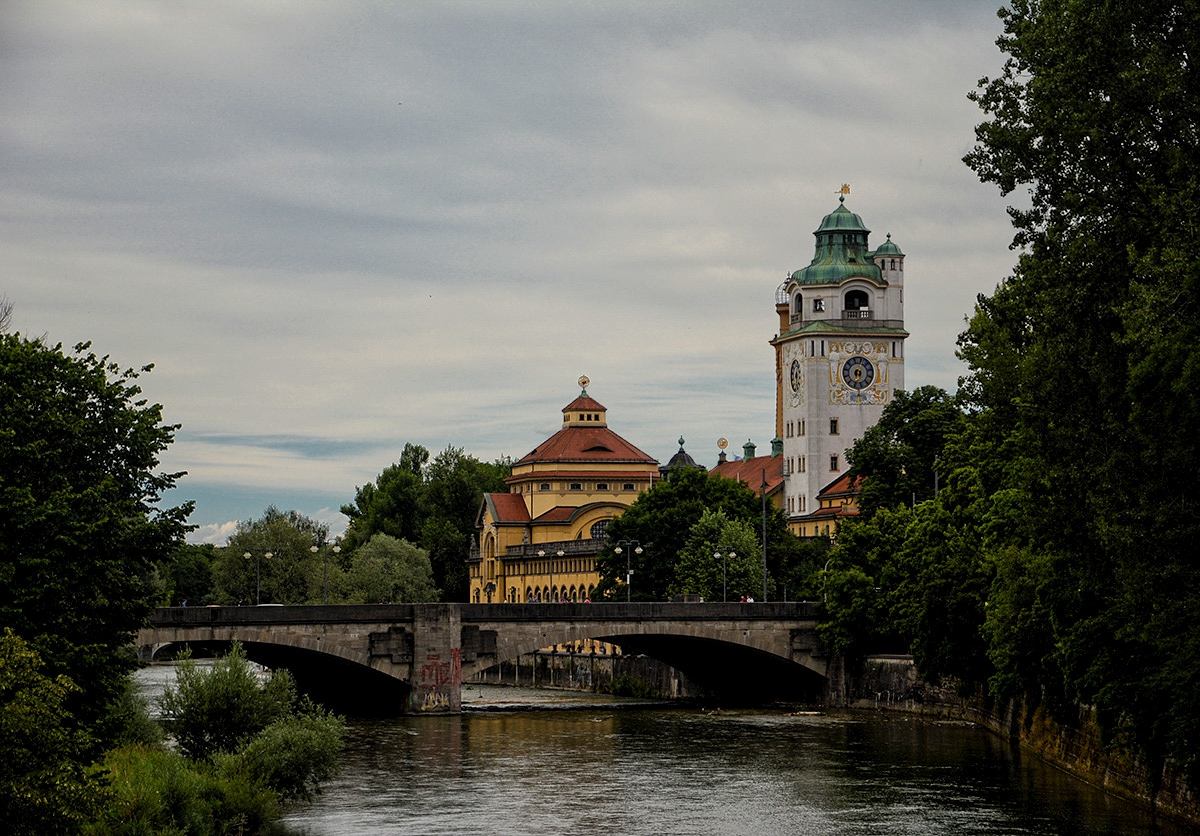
(471, 613)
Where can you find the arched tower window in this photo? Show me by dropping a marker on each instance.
(798, 304)
(857, 299)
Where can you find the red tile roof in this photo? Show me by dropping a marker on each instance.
(591, 475)
(750, 472)
(841, 486)
(582, 403)
(586, 444)
(507, 507)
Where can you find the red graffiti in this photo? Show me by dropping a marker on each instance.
(436, 673)
(456, 665)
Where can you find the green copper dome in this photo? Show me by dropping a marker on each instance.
(888, 248)
(842, 251)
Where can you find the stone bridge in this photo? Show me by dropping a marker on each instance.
(415, 656)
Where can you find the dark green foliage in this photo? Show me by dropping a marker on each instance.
(293, 574)
(662, 520)
(219, 710)
(81, 531)
(187, 575)
(160, 791)
(392, 503)
(432, 504)
(698, 569)
(292, 756)
(44, 787)
(389, 570)
(901, 455)
(1084, 367)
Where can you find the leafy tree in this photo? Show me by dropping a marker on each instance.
(244, 744)
(392, 503)
(700, 571)
(292, 573)
(219, 710)
(391, 570)
(899, 456)
(81, 530)
(662, 518)
(188, 575)
(44, 787)
(454, 486)
(1084, 365)
(429, 503)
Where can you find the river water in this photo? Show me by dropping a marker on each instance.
(540, 762)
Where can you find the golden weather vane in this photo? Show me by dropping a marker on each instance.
(844, 190)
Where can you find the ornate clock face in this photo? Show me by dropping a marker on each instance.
(858, 373)
(796, 376)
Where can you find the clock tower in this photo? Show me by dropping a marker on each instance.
(839, 356)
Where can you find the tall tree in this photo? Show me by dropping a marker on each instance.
(1086, 360)
(899, 457)
(431, 503)
(391, 570)
(661, 520)
(281, 568)
(392, 503)
(81, 528)
(721, 560)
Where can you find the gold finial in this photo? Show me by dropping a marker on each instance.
(722, 443)
(844, 190)
(583, 383)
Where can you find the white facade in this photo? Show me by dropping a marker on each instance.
(839, 354)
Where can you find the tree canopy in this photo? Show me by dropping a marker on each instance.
(81, 528)
(662, 521)
(430, 503)
(1084, 365)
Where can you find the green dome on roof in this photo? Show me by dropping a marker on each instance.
(841, 219)
(842, 251)
(888, 248)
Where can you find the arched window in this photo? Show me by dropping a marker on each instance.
(477, 596)
(798, 304)
(857, 300)
(599, 529)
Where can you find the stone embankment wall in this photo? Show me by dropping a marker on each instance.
(592, 672)
(892, 683)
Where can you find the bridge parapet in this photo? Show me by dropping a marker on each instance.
(431, 647)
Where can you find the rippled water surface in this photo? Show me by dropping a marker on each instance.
(539, 762)
(671, 771)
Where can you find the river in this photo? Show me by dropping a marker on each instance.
(539, 762)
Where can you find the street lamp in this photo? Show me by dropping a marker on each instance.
(257, 575)
(725, 573)
(550, 590)
(637, 549)
(557, 598)
(325, 555)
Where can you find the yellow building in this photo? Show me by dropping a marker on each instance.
(539, 541)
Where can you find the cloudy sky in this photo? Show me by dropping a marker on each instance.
(336, 227)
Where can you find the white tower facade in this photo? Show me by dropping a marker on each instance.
(839, 355)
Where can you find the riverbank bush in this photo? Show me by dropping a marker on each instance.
(243, 744)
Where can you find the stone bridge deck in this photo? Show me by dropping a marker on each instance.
(419, 654)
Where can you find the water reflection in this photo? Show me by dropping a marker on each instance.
(683, 772)
(606, 767)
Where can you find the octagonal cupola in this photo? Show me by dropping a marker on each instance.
(842, 250)
(584, 411)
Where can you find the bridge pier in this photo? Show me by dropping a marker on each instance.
(437, 660)
(421, 651)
